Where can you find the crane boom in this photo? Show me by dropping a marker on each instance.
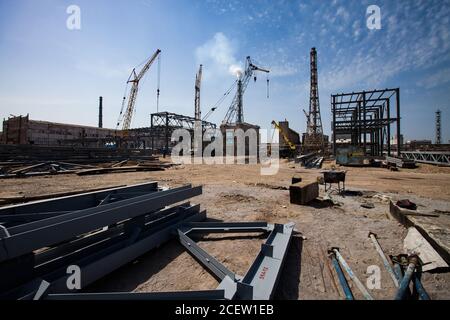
(285, 137)
(134, 80)
(198, 82)
(236, 108)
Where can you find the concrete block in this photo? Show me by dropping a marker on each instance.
(303, 192)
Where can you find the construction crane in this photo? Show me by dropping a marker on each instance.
(291, 145)
(134, 78)
(198, 82)
(235, 111)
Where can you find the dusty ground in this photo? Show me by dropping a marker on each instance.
(240, 193)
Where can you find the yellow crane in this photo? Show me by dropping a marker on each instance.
(291, 145)
(134, 78)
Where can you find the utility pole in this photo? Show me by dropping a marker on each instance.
(438, 127)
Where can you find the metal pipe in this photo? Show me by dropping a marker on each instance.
(404, 284)
(423, 295)
(352, 275)
(347, 291)
(386, 263)
(398, 272)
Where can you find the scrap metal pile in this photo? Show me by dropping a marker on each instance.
(16, 169)
(98, 232)
(311, 160)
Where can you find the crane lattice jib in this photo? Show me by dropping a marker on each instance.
(134, 79)
(250, 68)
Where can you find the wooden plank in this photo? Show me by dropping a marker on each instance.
(415, 243)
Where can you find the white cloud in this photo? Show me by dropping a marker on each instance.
(218, 56)
(439, 78)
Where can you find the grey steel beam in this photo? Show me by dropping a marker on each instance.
(141, 296)
(74, 202)
(224, 227)
(264, 273)
(46, 232)
(99, 264)
(218, 269)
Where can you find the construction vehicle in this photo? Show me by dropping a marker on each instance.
(235, 112)
(291, 149)
(134, 78)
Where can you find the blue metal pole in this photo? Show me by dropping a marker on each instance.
(404, 283)
(398, 271)
(352, 275)
(423, 295)
(347, 291)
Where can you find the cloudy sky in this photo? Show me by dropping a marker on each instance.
(57, 74)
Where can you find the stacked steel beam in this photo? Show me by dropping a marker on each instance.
(97, 232)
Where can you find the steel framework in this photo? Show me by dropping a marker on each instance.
(314, 139)
(365, 119)
(164, 123)
(431, 157)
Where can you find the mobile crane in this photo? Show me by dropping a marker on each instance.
(134, 78)
(292, 148)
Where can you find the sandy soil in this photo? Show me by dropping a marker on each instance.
(240, 193)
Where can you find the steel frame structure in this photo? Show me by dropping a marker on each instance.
(164, 123)
(259, 282)
(367, 117)
(431, 157)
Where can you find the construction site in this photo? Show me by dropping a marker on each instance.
(359, 214)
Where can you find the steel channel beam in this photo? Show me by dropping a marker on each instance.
(101, 263)
(77, 214)
(66, 256)
(226, 227)
(74, 202)
(138, 296)
(218, 269)
(98, 247)
(263, 274)
(43, 234)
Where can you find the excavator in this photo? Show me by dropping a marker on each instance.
(292, 148)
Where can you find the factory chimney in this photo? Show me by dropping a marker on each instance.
(100, 112)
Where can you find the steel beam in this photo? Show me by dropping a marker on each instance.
(36, 235)
(264, 273)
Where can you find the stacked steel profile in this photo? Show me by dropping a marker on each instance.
(101, 231)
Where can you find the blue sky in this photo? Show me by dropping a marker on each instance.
(57, 74)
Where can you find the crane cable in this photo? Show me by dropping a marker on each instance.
(123, 106)
(222, 98)
(158, 83)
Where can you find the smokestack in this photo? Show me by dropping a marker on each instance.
(100, 112)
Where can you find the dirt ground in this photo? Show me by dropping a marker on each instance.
(241, 193)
